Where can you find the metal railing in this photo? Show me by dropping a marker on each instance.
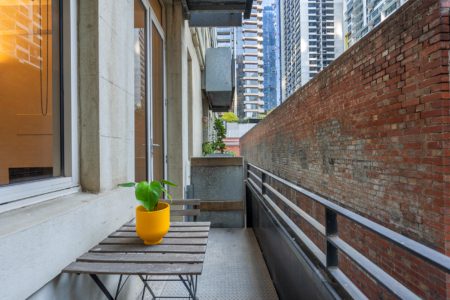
(259, 186)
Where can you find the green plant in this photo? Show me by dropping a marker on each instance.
(149, 193)
(230, 153)
(207, 148)
(221, 133)
(230, 117)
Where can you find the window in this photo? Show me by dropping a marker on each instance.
(35, 142)
(30, 147)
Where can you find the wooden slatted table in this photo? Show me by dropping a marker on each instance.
(180, 254)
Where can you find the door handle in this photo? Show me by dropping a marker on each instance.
(156, 145)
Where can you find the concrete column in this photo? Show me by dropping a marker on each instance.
(106, 93)
(175, 66)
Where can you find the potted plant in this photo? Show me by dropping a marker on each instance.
(152, 216)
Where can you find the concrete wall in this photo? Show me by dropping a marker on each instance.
(371, 132)
(184, 97)
(237, 130)
(219, 183)
(106, 85)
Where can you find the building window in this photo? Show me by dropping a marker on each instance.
(38, 139)
(30, 124)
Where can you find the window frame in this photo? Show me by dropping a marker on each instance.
(30, 192)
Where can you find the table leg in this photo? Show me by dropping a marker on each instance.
(147, 286)
(101, 286)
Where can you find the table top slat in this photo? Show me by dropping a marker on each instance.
(133, 268)
(142, 257)
(146, 249)
(181, 252)
(165, 241)
(171, 229)
(119, 234)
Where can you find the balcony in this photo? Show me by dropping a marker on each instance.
(340, 193)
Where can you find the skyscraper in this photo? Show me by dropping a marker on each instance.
(271, 56)
(225, 37)
(249, 62)
(361, 16)
(311, 38)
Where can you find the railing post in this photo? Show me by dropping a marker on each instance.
(331, 229)
(263, 180)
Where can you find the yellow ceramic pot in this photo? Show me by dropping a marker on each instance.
(151, 226)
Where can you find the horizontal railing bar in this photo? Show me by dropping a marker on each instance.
(436, 258)
(254, 185)
(347, 284)
(379, 274)
(182, 201)
(338, 275)
(313, 222)
(376, 272)
(297, 231)
(254, 176)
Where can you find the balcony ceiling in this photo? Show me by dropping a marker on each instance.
(206, 13)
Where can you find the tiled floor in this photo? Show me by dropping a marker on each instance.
(234, 269)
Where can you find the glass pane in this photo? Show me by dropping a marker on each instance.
(140, 91)
(158, 10)
(158, 104)
(29, 91)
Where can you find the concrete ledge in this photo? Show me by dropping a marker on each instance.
(216, 161)
(38, 241)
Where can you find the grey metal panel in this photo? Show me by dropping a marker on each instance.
(214, 19)
(294, 275)
(226, 5)
(219, 67)
(219, 179)
(217, 183)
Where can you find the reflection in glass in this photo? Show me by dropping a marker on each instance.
(29, 91)
(140, 91)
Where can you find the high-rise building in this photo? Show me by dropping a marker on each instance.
(311, 38)
(249, 65)
(271, 56)
(361, 16)
(225, 37)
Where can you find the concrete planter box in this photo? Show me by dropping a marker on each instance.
(219, 183)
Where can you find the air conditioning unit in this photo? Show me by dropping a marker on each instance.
(219, 78)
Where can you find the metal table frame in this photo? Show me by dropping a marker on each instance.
(178, 258)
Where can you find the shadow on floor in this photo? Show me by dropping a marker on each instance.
(234, 269)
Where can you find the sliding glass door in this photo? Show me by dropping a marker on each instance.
(149, 97)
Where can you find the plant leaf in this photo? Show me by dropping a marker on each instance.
(141, 191)
(154, 193)
(127, 184)
(168, 182)
(169, 196)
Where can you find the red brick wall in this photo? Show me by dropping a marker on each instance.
(372, 132)
(232, 144)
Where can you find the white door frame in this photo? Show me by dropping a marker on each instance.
(151, 20)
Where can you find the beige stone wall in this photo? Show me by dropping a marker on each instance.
(185, 60)
(106, 86)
